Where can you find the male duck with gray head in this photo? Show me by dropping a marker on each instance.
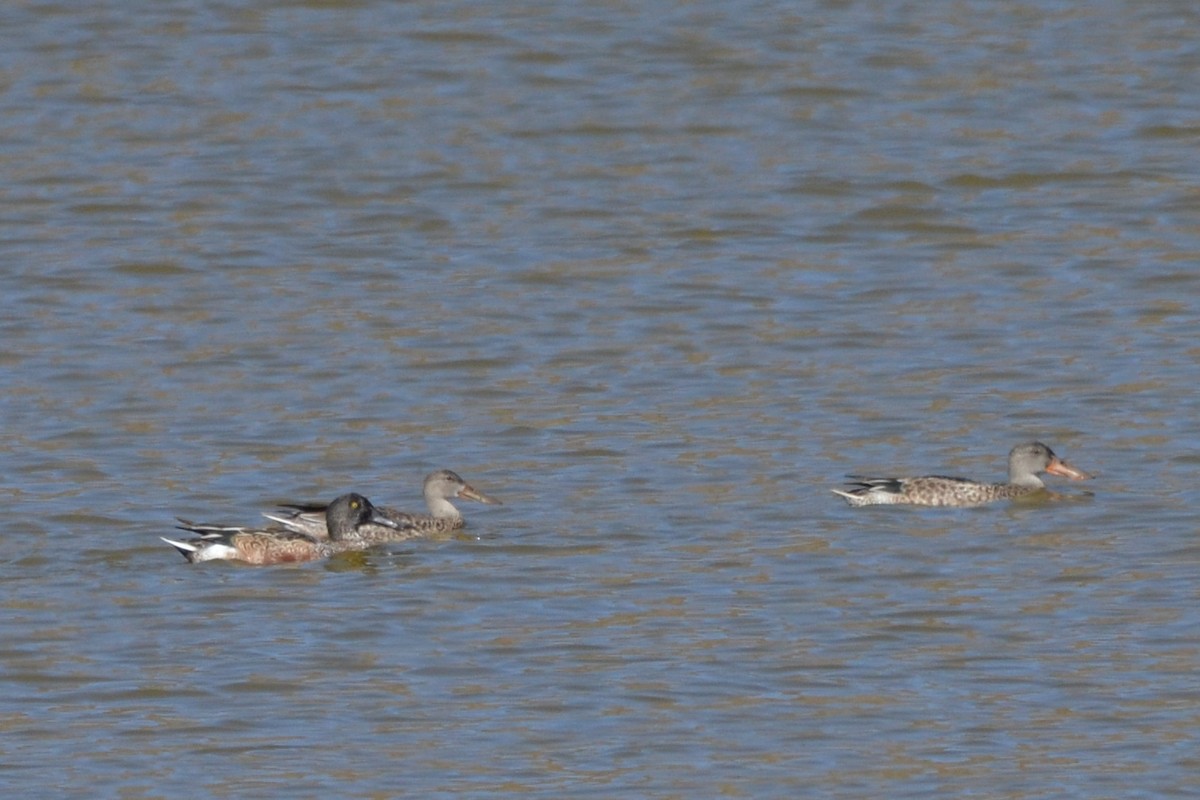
(345, 517)
(1025, 463)
(441, 486)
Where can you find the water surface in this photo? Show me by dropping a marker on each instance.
(656, 277)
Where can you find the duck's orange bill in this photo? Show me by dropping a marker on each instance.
(1060, 467)
(471, 493)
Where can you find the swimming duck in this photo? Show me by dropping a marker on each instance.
(440, 487)
(345, 517)
(1025, 463)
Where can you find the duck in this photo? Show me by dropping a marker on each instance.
(345, 518)
(1026, 462)
(441, 486)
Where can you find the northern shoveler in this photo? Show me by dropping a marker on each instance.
(1025, 463)
(345, 517)
(440, 487)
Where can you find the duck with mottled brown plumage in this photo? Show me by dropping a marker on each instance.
(441, 486)
(1025, 463)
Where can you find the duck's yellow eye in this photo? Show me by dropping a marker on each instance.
(354, 504)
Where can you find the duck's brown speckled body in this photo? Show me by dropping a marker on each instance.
(1025, 463)
(441, 486)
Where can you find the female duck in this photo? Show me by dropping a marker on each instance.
(345, 518)
(440, 488)
(1025, 463)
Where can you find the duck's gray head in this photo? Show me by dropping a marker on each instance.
(1027, 461)
(345, 514)
(444, 484)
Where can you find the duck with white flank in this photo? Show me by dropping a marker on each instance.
(346, 518)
